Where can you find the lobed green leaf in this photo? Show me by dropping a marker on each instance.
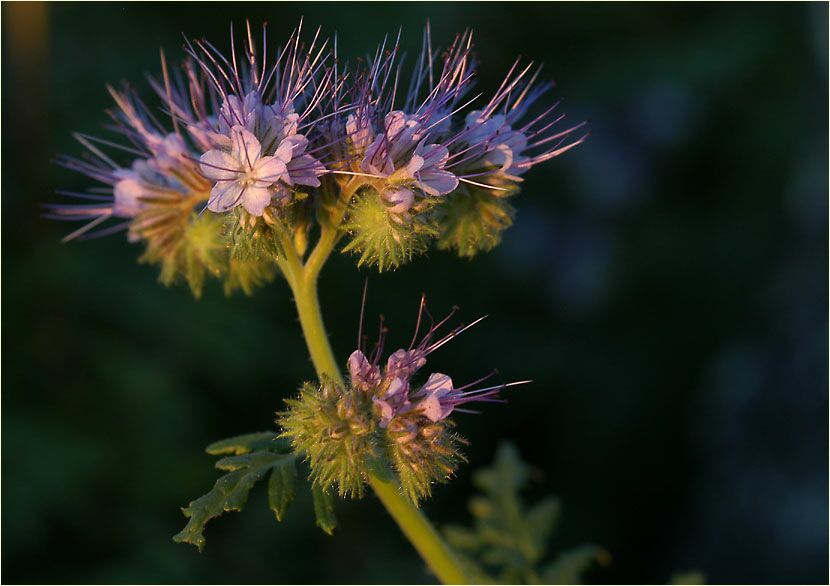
(229, 493)
(243, 444)
(510, 539)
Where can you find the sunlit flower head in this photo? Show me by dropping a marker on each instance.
(261, 138)
(391, 385)
(387, 412)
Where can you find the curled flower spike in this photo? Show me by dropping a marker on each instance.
(259, 145)
(233, 140)
(383, 415)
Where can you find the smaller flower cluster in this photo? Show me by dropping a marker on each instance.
(383, 416)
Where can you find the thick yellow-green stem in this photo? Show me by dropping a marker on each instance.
(303, 281)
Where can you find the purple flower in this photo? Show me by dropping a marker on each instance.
(494, 146)
(363, 374)
(401, 155)
(276, 133)
(440, 398)
(134, 187)
(303, 169)
(392, 401)
(391, 388)
(243, 176)
(399, 198)
(259, 128)
(405, 363)
(435, 404)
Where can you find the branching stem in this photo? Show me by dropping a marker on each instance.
(303, 280)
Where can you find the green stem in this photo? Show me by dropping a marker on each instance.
(415, 526)
(418, 530)
(311, 321)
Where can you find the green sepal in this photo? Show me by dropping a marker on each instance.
(185, 245)
(324, 509)
(248, 274)
(335, 440)
(245, 242)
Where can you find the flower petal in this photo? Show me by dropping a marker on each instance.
(224, 196)
(246, 148)
(305, 169)
(363, 374)
(438, 384)
(219, 166)
(256, 199)
(386, 411)
(268, 170)
(126, 203)
(432, 408)
(437, 182)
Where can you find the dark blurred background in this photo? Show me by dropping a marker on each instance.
(665, 285)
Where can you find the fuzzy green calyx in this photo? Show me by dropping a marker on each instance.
(248, 275)
(249, 238)
(422, 453)
(236, 248)
(382, 238)
(338, 430)
(472, 220)
(334, 428)
(184, 245)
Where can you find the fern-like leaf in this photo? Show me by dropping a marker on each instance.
(509, 540)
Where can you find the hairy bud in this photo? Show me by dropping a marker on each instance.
(383, 235)
(472, 220)
(328, 423)
(429, 455)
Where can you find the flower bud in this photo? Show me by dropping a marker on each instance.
(360, 426)
(430, 432)
(383, 238)
(346, 408)
(472, 219)
(338, 432)
(333, 426)
(402, 431)
(399, 199)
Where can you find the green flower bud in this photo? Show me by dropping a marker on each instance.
(248, 275)
(334, 428)
(346, 408)
(185, 245)
(472, 219)
(429, 455)
(382, 237)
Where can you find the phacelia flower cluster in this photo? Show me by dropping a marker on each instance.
(383, 416)
(251, 148)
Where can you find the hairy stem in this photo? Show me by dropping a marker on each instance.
(412, 522)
